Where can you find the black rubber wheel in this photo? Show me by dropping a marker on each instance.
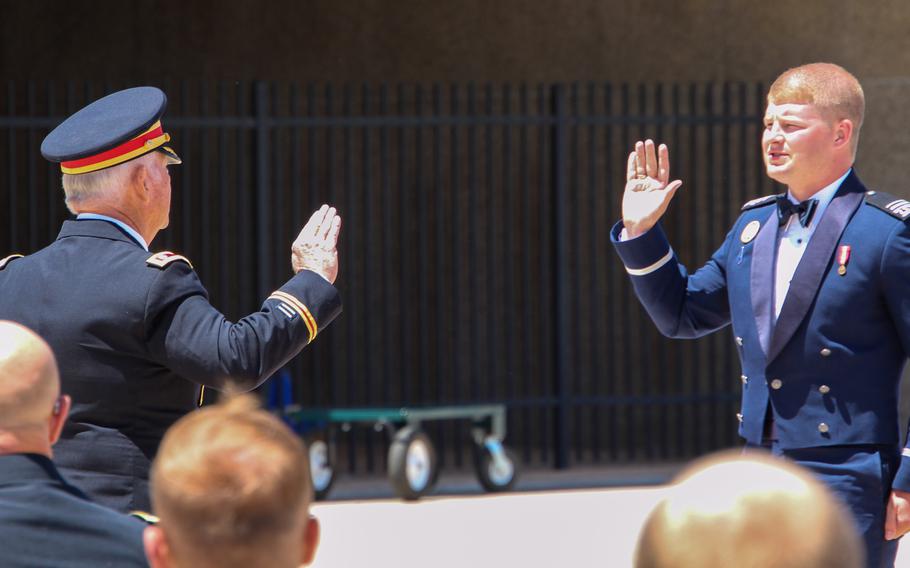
(495, 475)
(412, 464)
(322, 465)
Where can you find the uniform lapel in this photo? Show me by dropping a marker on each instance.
(761, 278)
(813, 265)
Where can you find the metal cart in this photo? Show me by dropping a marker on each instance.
(412, 464)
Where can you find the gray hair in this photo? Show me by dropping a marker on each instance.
(103, 184)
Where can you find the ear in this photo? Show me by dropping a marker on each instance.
(156, 549)
(843, 132)
(58, 417)
(311, 533)
(139, 176)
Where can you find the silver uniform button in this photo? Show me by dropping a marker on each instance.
(776, 384)
(739, 416)
(824, 389)
(825, 352)
(739, 341)
(744, 379)
(823, 428)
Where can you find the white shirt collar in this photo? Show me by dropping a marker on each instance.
(823, 196)
(129, 230)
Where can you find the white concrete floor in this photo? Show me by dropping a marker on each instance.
(569, 528)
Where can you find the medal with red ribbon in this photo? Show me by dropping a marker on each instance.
(843, 257)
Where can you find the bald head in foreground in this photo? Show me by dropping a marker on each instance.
(750, 512)
(231, 485)
(45, 521)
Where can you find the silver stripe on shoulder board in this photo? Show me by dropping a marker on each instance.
(649, 269)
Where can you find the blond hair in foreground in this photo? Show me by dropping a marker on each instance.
(231, 485)
(749, 512)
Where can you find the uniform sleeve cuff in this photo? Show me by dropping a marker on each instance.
(310, 296)
(645, 253)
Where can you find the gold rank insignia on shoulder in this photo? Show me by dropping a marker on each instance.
(165, 258)
(749, 232)
(8, 259)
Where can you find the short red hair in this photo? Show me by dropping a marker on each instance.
(832, 89)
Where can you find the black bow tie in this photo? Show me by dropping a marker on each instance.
(785, 208)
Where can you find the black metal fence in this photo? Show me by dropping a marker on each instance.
(476, 264)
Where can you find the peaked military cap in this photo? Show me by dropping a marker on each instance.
(114, 129)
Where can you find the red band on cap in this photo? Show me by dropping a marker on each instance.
(152, 138)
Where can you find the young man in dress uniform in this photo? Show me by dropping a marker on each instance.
(816, 284)
(45, 521)
(133, 330)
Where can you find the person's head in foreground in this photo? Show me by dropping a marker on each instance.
(812, 125)
(750, 512)
(231, 486)
(32, 411)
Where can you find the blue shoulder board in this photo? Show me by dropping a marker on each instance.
(768, 199)
(890, 204)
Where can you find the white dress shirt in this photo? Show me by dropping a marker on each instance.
(130, 231)
(792, 239)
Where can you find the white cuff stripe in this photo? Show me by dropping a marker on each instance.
(649, 269)
(906, 452)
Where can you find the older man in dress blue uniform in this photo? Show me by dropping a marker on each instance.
(45, 521)
(816, 284)
(133, 330)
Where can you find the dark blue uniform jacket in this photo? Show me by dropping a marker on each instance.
(831, 365)
(45, 521)
(135, 339)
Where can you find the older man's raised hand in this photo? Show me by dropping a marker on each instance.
(316, 247)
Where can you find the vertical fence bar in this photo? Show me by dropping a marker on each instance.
(52, 178)
(507, 254)
(458, 367)
(406, 369)
(423, 256)
(595, 313)
(12, 178)
(368, 263)
(526, 268)
(263, 189)
(473, 229)
(561, 368)
(443, 362)
(546, 413)
(490, 250)
(573, 379)
(386, 244)
(31, 168)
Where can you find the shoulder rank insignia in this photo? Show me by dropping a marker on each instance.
(148, 518)
(7, 260)
(759, 202)
(890, 204)
(165, 258)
